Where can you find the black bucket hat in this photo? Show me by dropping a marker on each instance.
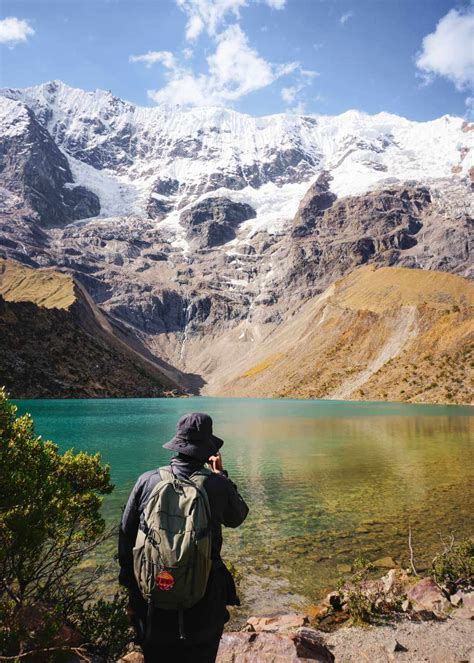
(194, 437)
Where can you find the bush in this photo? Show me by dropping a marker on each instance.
(455, 566)
(49, 522)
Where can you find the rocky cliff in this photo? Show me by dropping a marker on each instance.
(199, 233)
(56, 344)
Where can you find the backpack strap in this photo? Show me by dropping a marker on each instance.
(166, 473)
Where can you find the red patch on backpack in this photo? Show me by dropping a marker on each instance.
(164, 581)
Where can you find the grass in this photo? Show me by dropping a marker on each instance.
(263, 365)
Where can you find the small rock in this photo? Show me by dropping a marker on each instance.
(463, 613)
(396, 582)
(333, 600)
(399, 647)
(456, 599)
(393, 645)
(385, 563)
(426, 595)
(463, 599)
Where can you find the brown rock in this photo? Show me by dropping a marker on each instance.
(132, 657)
(463, 599)
(277, 623)
(396, 583)
(426, 595)
(306, 644)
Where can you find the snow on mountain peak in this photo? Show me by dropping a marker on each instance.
(154, 160)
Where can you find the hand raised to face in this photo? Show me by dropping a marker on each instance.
(216, 462)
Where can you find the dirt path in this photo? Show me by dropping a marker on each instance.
(451, 641)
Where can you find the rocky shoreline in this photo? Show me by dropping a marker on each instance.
(412, 619)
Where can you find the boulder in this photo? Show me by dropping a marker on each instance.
(277, 623)
(306, 644)
(427, 596)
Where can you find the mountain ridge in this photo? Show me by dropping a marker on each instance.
(197, 240)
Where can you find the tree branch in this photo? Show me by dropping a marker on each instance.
(412, 563)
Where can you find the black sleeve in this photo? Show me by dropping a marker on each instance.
(127, 536)
(236, 509)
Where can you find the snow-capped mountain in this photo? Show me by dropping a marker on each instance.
(153, 161)
(199, 232)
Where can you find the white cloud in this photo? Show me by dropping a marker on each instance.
(449, 50)
(234, 70)
(15, 30)
(166, 58)
(299, 109)
(207, 14)
(276, 4)
(345, 17)
(288, 94)
(210, 15)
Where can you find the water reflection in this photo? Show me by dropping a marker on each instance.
(326, 481)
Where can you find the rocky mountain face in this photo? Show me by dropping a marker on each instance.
(198, 233)
(57, 344)
(36, 172)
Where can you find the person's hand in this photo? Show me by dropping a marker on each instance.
(216, 462)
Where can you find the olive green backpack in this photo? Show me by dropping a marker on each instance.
(172, 553)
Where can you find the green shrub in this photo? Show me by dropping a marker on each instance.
(455, 565)
(49, 522)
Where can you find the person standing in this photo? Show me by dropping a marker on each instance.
(191, 634)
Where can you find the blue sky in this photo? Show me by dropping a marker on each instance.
(410, 57)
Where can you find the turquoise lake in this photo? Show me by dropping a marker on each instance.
(326, 481)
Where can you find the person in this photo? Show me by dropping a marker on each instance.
(158, 631)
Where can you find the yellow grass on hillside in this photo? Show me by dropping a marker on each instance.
(43, 287)
(377, 334)
(380, 289)
(263, 365)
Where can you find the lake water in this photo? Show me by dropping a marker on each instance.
(326, 481)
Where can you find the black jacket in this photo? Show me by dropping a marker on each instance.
(227, 508)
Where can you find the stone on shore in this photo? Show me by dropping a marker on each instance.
(463, 600)
(244, 647)
(277, 623)
(427, 596)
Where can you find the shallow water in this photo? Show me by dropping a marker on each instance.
(326, 481)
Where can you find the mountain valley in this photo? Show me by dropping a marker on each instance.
(214, 243)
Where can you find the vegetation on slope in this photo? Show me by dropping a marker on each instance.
(56, 344)
(377, 334)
